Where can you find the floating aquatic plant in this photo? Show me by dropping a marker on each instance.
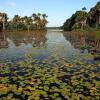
(50, 79)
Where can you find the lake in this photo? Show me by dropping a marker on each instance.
(49, 65)
(42, 44)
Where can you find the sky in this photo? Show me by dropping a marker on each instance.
(57, 10)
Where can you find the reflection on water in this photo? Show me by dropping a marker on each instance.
(82, 41)
(3, 40)
(34, 38)
(41, 44)
(44, 44)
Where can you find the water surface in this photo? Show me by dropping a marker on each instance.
(49, 65)
(42, 44)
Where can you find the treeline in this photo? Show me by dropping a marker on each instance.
(83, 19)
(54, 28)
(35, 21)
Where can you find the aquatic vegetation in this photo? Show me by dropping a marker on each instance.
(43, 79)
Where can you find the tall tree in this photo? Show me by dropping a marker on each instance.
(44, 21)
(16, 21)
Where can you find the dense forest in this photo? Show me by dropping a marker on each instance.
(35, 21)
(83, 19)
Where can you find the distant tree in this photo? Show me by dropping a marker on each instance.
(3, 20)
(37, 21)
(44, 21)
(16, 21)
(84, 9)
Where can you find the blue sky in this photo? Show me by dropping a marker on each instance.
(57, 10)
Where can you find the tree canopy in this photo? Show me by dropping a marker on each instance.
(82, 19)
(35, 21)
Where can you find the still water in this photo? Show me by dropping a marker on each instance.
(41, 44)
(49, 65)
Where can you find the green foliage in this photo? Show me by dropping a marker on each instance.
(82, 19)
(74, 21)
(36, 21)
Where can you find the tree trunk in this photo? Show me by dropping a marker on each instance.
(99, 18)
(96, 21)
(28, 27)
(4, 26)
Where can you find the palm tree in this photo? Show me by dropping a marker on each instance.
(80, 18)
(4, 20)
(39, 15)
(16, 21)
(44, 16)
(84, 9)
(44, 21)
(34, 16)
(28, 22)
(40, 20)
(36, 19)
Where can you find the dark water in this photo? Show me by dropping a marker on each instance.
(42, 44)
